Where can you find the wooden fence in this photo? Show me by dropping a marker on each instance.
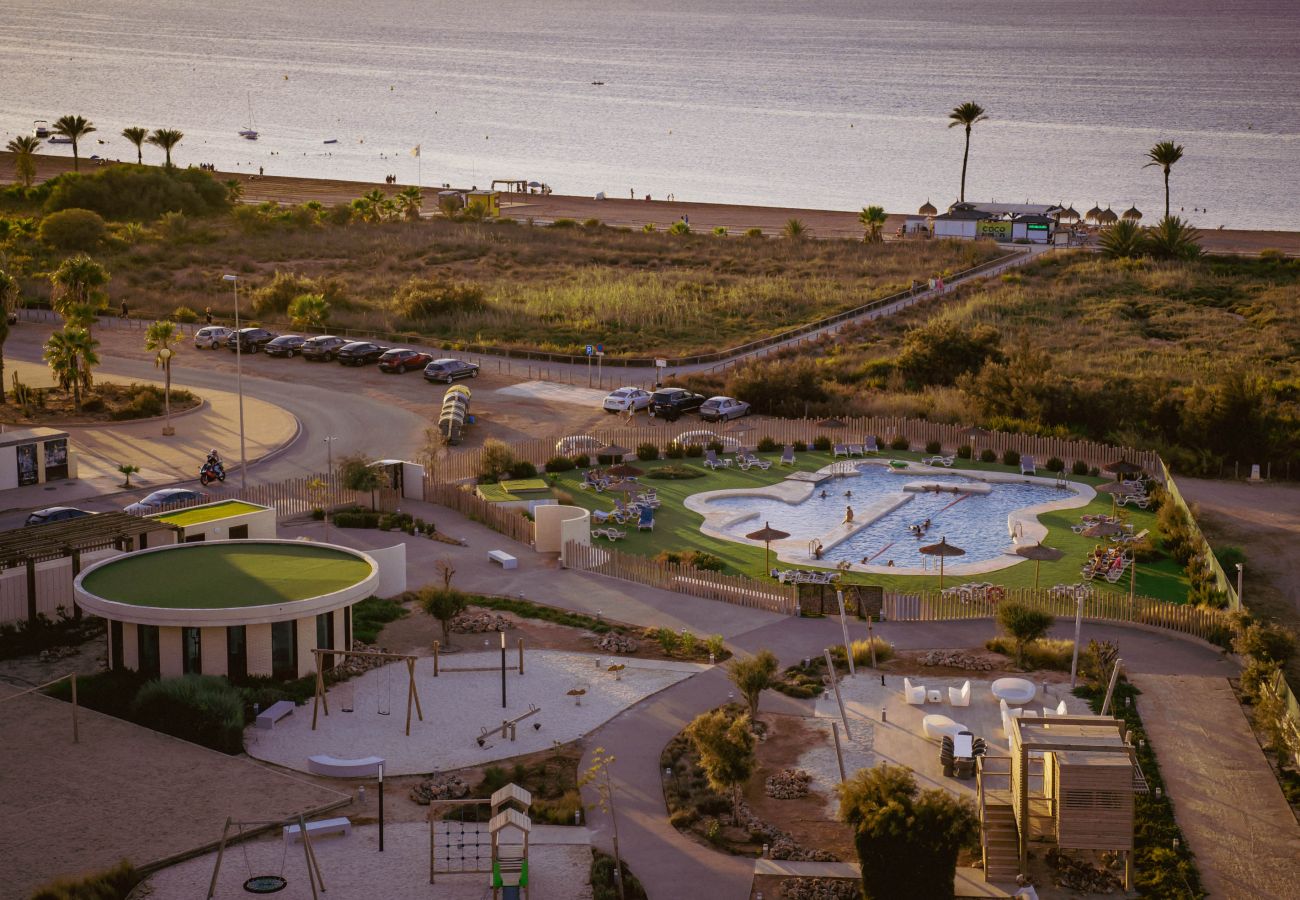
(735, 589)
(295, 497)
(1211, 625)
(456, 466)
(510, 522)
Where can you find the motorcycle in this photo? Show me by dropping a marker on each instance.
(212, 471)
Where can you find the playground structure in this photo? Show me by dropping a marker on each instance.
(321, 699)
(267, 883)
(459, 847)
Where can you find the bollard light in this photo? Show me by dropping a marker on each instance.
(882, 680)
(883, 714)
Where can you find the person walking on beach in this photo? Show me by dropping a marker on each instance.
(632, 191)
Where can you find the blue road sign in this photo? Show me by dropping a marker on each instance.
(590, 350)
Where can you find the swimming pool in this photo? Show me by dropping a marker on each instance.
(971, 512)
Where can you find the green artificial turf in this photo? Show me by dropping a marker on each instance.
(197, 515)
(526, 489)
(222, 576)
(677, 528)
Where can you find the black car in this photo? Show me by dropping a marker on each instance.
(669, 403)
(285, 345)
(324, 346)
(249, 340)
(360, 353)
(55, 514)
(449, 370)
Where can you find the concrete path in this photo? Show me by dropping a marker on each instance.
(1225, 797)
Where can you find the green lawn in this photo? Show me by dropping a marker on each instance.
(677, 528)
(223, 576)
(517, 490)
(197, 515)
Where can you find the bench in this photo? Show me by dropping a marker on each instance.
(274, 713)
(344, 768)
(315, 829)
(503, 558)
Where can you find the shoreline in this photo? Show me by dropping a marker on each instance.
(736, 218)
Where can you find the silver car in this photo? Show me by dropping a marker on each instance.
(719, 409)
(210, 337)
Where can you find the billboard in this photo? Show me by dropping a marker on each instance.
(28, 473)
(998, 229)
(56, 459)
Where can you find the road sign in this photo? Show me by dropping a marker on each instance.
(661, 363)
(600, 348)
(590, 350)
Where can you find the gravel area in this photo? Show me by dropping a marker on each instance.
(459, 705)
(353, 868)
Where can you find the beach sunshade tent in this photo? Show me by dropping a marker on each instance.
(1108, 217)
(1132, 213)
(1121, 467)
(613, 450)
(623, 470)
(1094, 214)
(927, 209)
(1116, 489)
(1039, 554)
(624, 487)
(1103, 529)
(943, 549)
(767, 534)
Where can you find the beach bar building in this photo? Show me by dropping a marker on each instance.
(1005, 222)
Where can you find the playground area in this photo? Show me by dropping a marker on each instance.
(462, 712)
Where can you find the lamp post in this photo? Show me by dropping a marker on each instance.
(1240, 569)
(1078, 625)
(239, 384)
(165, 354)
(329, 455)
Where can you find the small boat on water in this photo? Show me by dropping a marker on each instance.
(598, 83)
(41, 129)
(59, 139)
(248, 132)
(331, 141)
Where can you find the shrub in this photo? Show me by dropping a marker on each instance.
(581, 460)
(356, 519)
(675, 473)
(1056, 464)
(715, 445)
(1266, 642)
(591, 223)
(1010, 458)
(800, 446)
(603, 884)
(185, 314)
(719, 231)
(1079, 468)
(495, 458)
(988, 456)
(522, 468)
(675, 451)
(899, 443)
(648, 228)
(698, 559)
(565, 223)
(679, 227)
(138, 193)
(559, 464)
(753, 232)
(933, 447)
(647, 451)
(667, 640)
(111, 884)
(964, 451)
(695, 450)
(273, 299)
(767, 445)
(862, 650)
(1024, 624)
(204, 709)
(1043, 654)
(426, 298)
(73, 229)
(822, 443)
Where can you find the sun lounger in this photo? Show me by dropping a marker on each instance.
(945, 461)
(960, 696)
(609, 534)
(787, 455)
(749, 460)
(646, 522)
(857, 450)
(1027, 466)
(870, 446)
(839, 450)
(711, 460)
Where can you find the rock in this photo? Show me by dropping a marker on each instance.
(439, 787)
(612, 642)
(780, 844)
(788, 784)
(1079, 875)
(478, 623)
(955, 659)
(820, 889)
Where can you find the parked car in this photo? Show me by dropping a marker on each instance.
(670, 403)
(719, 409)
(211, 337)
(249, 340)
(360, 353)
(55, 514)
(323, 347)
(626, 398)
(285, 345)
(167, 496)
(402, 360)
(449, 370)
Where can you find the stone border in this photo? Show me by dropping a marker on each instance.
(109, 423)
(1023, 526)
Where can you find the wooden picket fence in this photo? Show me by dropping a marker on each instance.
(510, 522)
(738, 590)
(1101, 606)
(459, 466)
(295, 497)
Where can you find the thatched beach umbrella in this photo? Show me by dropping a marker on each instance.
(623, 470)
(613, 450)
(1039, 553)
(1108, 217)
(1070, 214)
(1133, 214)
(830, 423)
(1093, 215)
(623, 487)
(767, 534)
(927, 209)
(1116, 489)
(942, 550)
(1122, 467)
(1103, 529)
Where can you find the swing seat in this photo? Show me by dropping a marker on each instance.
(344, 768)
(341, 826)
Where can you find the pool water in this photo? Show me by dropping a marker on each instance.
(977, 523)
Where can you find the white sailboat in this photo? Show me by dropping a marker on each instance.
(248, 132)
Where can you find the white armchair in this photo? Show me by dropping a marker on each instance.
(960, 696)
(1009, 713)
(1059, 710)
(913, 694)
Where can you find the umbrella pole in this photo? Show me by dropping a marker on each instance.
(1132, 579)
(767, 557)
(940, 573)
(1037, 564)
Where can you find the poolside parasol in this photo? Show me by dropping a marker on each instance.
(1093, 215)
(830, 423)
(1108, 216)
(942, 549)
(1122, 467)
(1103, 529)
(623, 487)
(972, 433)
(613, 450)
(1039, 554)
(767, 534)
(927, 209)
(1115, 489)
(1132, 213)
(623, 470)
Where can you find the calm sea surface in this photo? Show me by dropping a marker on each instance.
(824, 103)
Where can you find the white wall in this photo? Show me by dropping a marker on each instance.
(392, 572)
(53, 585)
(960, 228)
(169, 652)
(259, 649)
(261, 525)
(213, 641)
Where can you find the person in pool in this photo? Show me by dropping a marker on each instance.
(818, 550)
(848, 515)
(824, 494)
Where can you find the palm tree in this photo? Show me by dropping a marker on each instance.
(1123, 240)
(409, 201)
(166, 138)
(873, 220)
(75, 128)
(967, 115)
(8, 301)
(137, 135)
(1173, 238)
(77, 283)
(71, 355)
(24, 150)
(309, 311)
(1164, 155)
(795, 230)
(158, 339)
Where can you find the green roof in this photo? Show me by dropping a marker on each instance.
(224, 576)
(524, 485)
(520, 489)
(208, 512)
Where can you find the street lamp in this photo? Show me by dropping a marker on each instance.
(165, 354)
(239, 384)
(329, 455)
(1240, 569)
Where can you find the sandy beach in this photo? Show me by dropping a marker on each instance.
(822, 223)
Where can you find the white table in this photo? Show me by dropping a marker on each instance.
(935, 696)
(1016, 691)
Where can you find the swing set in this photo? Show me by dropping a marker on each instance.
(382, 707)
(268, 883)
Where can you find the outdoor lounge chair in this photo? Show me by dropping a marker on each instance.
(945, 461)
(1141, 501)
(646, 522)
(1027, 466)
(1058, 710)
(870, 446)
(749, 460)
(609, 534)
(960, 696)
(600, 516)
(857, 450)
(913, 694)
(839, 450)
(711, 460)
(787, 455)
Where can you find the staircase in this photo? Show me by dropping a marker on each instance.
(1001, 843)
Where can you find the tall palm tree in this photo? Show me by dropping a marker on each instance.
(158, 339)
(309, 311)
(78, 281)
(71, 355)
(74, 128)
(1164, 155)
(24, 150)
(873, 221)
(409, 201)
(166, 138)
(8, 302)
(967, 115)
(137, 135)
(1173, 238)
